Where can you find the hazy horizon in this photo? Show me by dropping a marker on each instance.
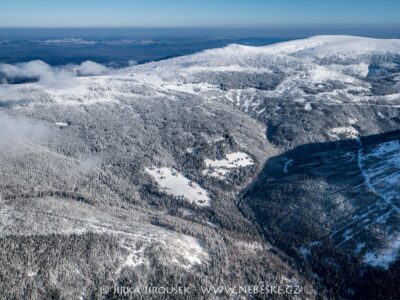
(288, 31)
(190, 13)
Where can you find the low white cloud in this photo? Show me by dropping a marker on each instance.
(88, 164)
(37, 70)
(8, 93)
(48, 75)
(145, 42)
(88, 68)
(67, 41)
(53, 79)
(132, 62)
(19, 134)
(127, 41)
(10, 70)
(85, 42)
(33, 69)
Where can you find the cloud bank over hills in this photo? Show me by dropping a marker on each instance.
(47, 74)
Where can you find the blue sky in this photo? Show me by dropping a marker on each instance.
(195, 13)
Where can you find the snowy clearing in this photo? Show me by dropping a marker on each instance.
(61, 124)
(174, 183)
(232, 161)
(380, 167)
(188, 251)
(386, 256)
(343, 132)
(219, 168)
(250, 246)
(218, 173)
(375, 165)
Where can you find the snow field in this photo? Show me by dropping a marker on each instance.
(175, 184)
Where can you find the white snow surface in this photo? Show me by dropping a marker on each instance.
(220, 168)
(233, 160)
(174, 183)
(301, 62)
(136, 236)
(189, 252)
(312, 62)
(380, 167)
(250, 246)
(386, 256)
(61, 124)
(218, 173)
(343, 132)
